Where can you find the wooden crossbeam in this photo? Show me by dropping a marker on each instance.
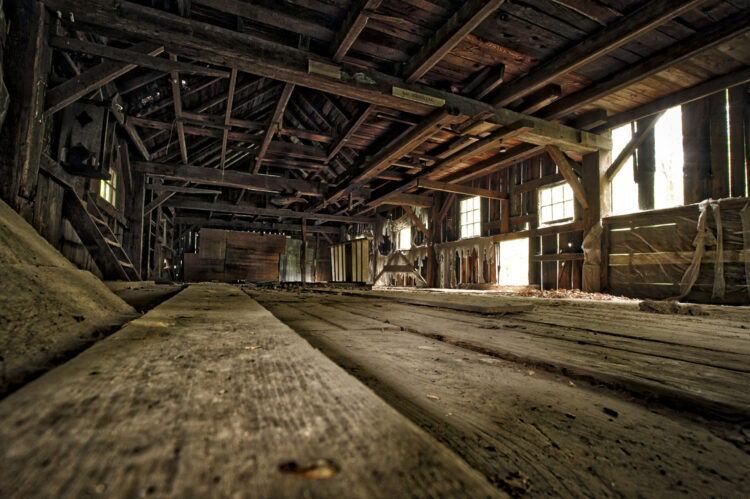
(539, 99)
(405, 144)
(434, 185)
(417, 221)
(351, 128)
(241, 225)
(481, 146)
(696, 92)
(682, 50)
(116, 108)
(229, 178)
(274, 125)
(221, 207)
(570, 176)
(497, 162)
(177, 101)
(132, 57)
(631, 146)
(626, 29)
(406, 200)
(486, 81)
(181, 189)
(87, 82)
(261, 57)
(228, 116)
(353, 24)
(460, 24)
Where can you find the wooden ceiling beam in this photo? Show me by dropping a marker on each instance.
(461, 23)
(221, 207)
(228, 116)
(434, 185)
(706, 39)
(229, 178)
(699, 91)
(486, 81)
(418, 200)
(389, 155)
(177, 101)
(566, 170)
(258, 56)
(241, 225)
(541, 98)
(87, 82)
(181, 189)
(622, 31)
(353, 24)
(274, 125)
(132, 57)
(351, 129)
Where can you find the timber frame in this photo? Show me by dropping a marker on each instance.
(245, 114)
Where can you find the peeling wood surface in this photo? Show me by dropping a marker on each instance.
(209, 394)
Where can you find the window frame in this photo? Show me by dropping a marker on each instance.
(540, 203)
(108, 188)
(475, 212)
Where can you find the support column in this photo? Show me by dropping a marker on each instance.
(599, 199)
(645, 167)
(303, 251)
(134, 203)
(26, 68)
(158, 241)
(696, 140)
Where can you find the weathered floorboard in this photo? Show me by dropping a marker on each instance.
(210, 395)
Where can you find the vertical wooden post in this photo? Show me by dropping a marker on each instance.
(737, 96)
(697, 151)
(599, 200)
(719, 151)
(158, 241)
(303, 250)
(27, 64)
(134, 203)
(432, 263)
(645, 167)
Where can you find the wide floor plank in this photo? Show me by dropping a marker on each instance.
(209, 395)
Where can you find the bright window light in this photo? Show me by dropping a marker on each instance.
(404, 238)
(624, 188)
(555, 204)
(669, 160)
(107, 188)
(513, 266)
(470, 217)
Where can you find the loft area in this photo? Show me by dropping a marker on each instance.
(374, 248)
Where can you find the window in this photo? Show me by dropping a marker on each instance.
(555, 204)
(404, 238)
(513, 262)
(470, 217)
(669, 159)
(624, 188)
(107, 188)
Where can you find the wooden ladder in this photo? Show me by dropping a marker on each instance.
(98, 238)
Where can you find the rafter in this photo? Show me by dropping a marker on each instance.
(228, 116)
(352, 26)
(221, 207)
(79, 86)
(460, 24)
(622, 31)
(274, 125)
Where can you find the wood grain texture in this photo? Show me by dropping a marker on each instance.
(209, 394)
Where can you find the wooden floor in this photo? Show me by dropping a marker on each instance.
(209, 395)
(548, 403)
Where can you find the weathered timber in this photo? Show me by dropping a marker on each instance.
(354, 22)
(133, 57)
(461, 23)
(601, 43)
(229, 178)
(221, 207)
(83, 84)
(258, 56)
(434, 185)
